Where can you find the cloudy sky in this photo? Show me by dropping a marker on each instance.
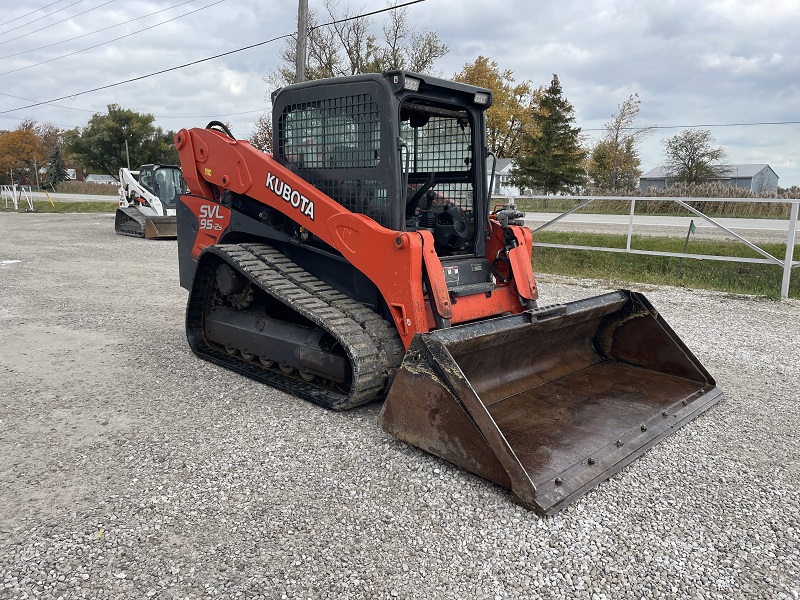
(732, 66)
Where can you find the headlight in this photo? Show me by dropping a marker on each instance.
(411, 84)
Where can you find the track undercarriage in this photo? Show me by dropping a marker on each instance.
(254, 311)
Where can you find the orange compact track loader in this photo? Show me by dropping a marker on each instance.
(362, 260)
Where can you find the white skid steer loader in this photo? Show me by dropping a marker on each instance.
(147, 200)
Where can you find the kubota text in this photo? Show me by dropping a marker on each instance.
(293, 197)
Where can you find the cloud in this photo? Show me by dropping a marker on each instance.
(692, 63)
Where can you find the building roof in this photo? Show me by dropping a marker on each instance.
(502, 164)
(662, 172)
(100, 178)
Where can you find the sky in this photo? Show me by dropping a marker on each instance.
(730, 66)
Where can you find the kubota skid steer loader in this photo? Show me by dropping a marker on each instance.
(362, 261)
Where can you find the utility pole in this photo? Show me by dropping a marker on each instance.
(36, 172)
(302, 41)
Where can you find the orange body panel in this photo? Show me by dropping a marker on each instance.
(392, 260)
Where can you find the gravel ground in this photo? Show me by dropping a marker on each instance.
(131, 469)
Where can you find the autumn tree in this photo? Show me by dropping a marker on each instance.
(48, 136)
(551, 157)
(614, 167)
(693, 157)
(512, 106)
(614, 161)
(345, 46)
(18, 154)
(261, 137)
(101, 144)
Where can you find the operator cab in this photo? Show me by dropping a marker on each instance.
(404, 149)
(164, 181)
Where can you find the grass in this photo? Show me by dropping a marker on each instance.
(64, 207)
(81, 187)
(734, 277)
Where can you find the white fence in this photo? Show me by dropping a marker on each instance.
(15, 193)
(786, 263)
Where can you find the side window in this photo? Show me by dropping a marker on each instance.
(336, 133)
(146, 179)
(335, 144)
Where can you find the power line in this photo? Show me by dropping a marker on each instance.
(161, 72)
(30, 13)
(86, 110)
(34, 20)
(54, 105)
(96, 31)
(122, 37)
(701, 125)
(58, 22)
(369, 14)
(202, 60)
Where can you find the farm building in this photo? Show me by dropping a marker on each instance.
(756, 178)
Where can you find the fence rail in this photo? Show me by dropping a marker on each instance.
(15, 193)
(786, 263)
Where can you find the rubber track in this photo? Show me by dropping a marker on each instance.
(383, 334)
(371, 348)
(124, 226)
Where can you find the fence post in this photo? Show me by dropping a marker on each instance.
(630, 223)
(787, 261)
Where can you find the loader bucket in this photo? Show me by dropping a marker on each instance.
(550, 402)
(161, 227)
(131, 221)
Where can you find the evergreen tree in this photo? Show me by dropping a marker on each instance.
(551, 158)
(56, 169)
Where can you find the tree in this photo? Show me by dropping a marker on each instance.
(261, 137)
(614, 168)
(511, 110)
(692, 157)
(614, 162)
(48, 135)
(345, 47)
(56, 169)
(551, 159)
(25, 149)
(18, 150)
(101, 144)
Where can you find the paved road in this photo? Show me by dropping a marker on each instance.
(661, 221)
(755, 230)
(57, 197)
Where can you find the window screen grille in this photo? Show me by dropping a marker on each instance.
(336, 133)
(322, 140)
(442, 144)
(439, 145)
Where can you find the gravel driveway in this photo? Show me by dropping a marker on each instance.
(131, 469)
